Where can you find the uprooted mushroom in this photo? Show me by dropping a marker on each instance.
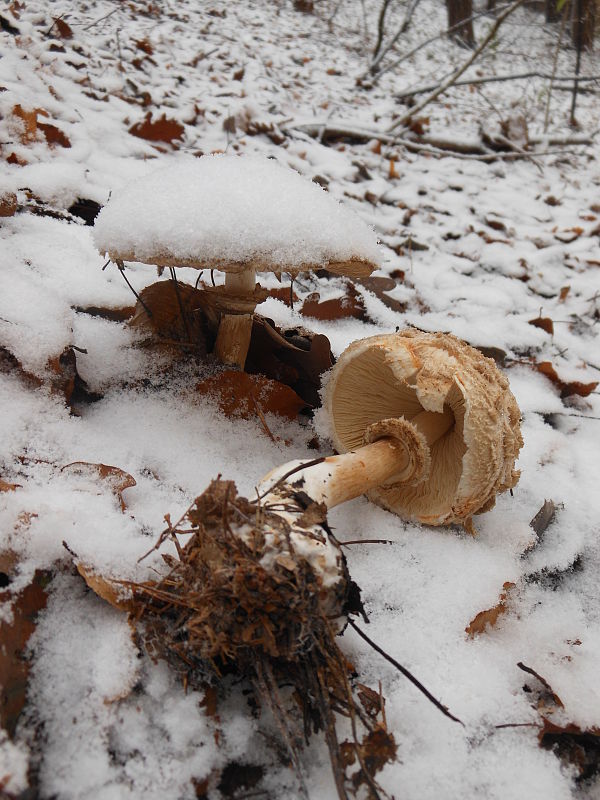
(262, 587)
(239, 215)
(432, 428)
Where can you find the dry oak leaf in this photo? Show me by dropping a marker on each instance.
(490, 616)
(117, 479)
(64, 29)
(32, 127)
(8, 487)
(241, 395)
(159, 130)
(8, 205)
(566, 389)
(573, 745)
(106, 588)
(545, 323)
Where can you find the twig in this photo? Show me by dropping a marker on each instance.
(406, 673)
(377, 55)
(261, 416)
(497, 79)
(121, 267)
(106, 16)
(180, 303)
(284, 477)
(380, 28)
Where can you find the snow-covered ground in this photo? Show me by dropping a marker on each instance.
(474, 248)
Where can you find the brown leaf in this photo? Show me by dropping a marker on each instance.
(64, 29)
(294, 356)
(8, 205)
(54, 135)
(545, 323)
(544, 517)
(144, 45)
(116, 478)
(29, 120)
(159, 311)
(9, 487)
(112, 314)
(350, 304)
(566, 389)
(107, 588)
(14, 635)
(573, 745)
(563, 294)
(159, 130)
(241, 395)
(380, 286)
(491, 615)
(67, 381)
(283, 293)
(495, 224)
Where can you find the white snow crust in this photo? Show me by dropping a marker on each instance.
(232, 209)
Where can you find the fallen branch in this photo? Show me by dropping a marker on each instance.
(499, 79)
(457, 73)
(440, 147)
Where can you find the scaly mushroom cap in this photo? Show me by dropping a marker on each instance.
(234, 213)
(382, 379)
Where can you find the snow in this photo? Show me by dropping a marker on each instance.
(103, 720)
(218, 210)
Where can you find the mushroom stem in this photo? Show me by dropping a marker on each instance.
(344, 477)
(235, 330)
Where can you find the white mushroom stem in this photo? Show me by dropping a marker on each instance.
(343, 477)
(235, 330)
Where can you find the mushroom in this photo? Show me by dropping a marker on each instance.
(240, 215)
(430, 424)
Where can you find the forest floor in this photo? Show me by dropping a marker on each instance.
(498, 249)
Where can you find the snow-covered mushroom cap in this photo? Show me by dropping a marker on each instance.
(234, 213)
(384, 378)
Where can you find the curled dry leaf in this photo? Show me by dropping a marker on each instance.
(243, 395)
(64, 29)
(569, 388)
(547, 701)
(8, 487)
(32, 127)
(110, 590)
(162, 129)
(116, 478)
(491, 615)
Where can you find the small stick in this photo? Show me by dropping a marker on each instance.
(406, 673)
(106, 16)
(121, 267)
(261, 416)
(180, 302)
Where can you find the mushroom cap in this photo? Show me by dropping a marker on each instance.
(382, 378)
(234, 213)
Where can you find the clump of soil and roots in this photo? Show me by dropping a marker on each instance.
(241, 598)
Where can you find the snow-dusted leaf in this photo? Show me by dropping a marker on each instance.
(241, 395)
(161, 129)
(115, 478)
(491, 615)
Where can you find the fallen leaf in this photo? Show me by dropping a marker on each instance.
(545, 323)
(563, 294)
(293, 356)
(144, 45)
(54, 135)
(242, 395)
(495, 224)
(392, 170)
(117, 479)
(106, 588)
(9, 487)
(8, 205)
(29, 133)
(64, 29)
(544, 517)
(112, 314)
(380, 286)
(350, 304)
(491, 615)
(575, 746)
(67, 381)
(283, 293)
(86, 209)
(14, 635)
(566, 389)
(159, 130)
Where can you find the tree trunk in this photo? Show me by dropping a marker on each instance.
(460, 13)
(491, 5)
(583, 22)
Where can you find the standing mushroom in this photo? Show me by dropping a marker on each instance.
(430, 423)
(240, 215)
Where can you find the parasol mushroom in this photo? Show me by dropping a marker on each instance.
(431, 424)
(240, 215)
